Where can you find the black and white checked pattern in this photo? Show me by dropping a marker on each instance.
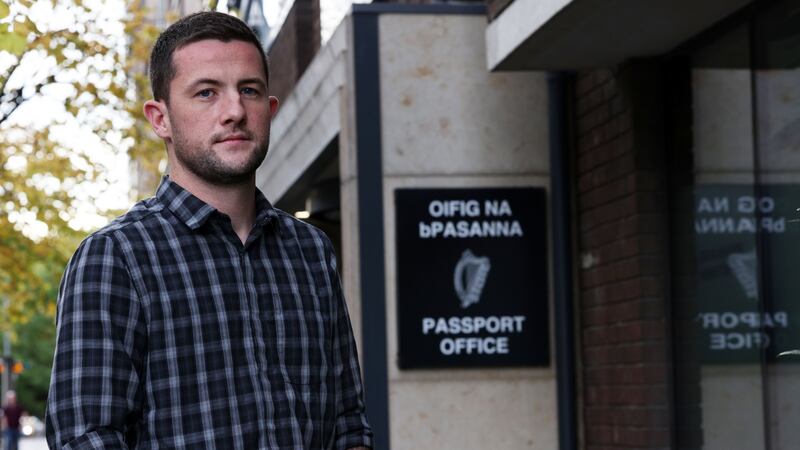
(174, 335)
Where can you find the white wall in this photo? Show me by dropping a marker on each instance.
(448, 122)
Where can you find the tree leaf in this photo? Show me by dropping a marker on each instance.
(12, 42)
(26, 27)
(30, 269)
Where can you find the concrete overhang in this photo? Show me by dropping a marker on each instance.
(307, 122)
(574, 34)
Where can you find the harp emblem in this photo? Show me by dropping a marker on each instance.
(743, 266)
(469, 277)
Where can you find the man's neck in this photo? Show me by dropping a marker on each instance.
(237, 201)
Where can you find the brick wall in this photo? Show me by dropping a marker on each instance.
(294, 47)
(623, 235)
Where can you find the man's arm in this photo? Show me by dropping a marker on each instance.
(352, 429)
(94, 390)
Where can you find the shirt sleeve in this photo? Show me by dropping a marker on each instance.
(352, 428)
(94, 399)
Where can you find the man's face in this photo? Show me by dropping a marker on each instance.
(218, 115)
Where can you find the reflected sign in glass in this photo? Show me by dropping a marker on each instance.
(747, 250)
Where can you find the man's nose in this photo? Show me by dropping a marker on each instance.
(233, 109)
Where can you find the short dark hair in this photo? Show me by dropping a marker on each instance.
(192, 28)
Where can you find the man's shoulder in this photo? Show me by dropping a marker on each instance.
(293, 224)
(304, 232)
(142, 213)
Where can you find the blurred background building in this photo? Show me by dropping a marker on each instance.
(252, 12)
(163, 12)
(648, 152)
(560, 224)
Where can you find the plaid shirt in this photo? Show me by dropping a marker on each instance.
(174, 335)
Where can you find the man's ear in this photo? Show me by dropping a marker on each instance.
(156, 113)
(273, 105)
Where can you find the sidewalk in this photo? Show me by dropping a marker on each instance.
(34, 443)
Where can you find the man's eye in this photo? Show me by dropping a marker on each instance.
(205, 93)
(249, 91)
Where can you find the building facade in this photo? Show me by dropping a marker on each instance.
(562, 224)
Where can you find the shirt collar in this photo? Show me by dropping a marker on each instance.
(265, 212)
(194, 212)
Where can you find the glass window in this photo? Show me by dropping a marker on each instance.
(736, 226)
(776, 81)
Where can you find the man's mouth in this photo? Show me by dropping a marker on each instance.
(235, 138)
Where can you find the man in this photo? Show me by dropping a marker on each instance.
(12, 412)
(205, 318)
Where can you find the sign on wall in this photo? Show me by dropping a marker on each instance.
(747, 240)
(471, 277)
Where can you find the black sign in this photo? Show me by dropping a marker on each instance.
(747, 241)
(471, 277)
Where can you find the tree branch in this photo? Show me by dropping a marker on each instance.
(3, 87)
(17, 99)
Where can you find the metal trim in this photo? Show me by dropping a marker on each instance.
(369, 170)
(435, 8)
(561, 225)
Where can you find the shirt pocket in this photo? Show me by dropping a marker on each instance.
(304, 338)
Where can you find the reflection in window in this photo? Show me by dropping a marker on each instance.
(735, 206)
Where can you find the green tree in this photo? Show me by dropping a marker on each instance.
(34, 347)
(67, 69)
(82, 65)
